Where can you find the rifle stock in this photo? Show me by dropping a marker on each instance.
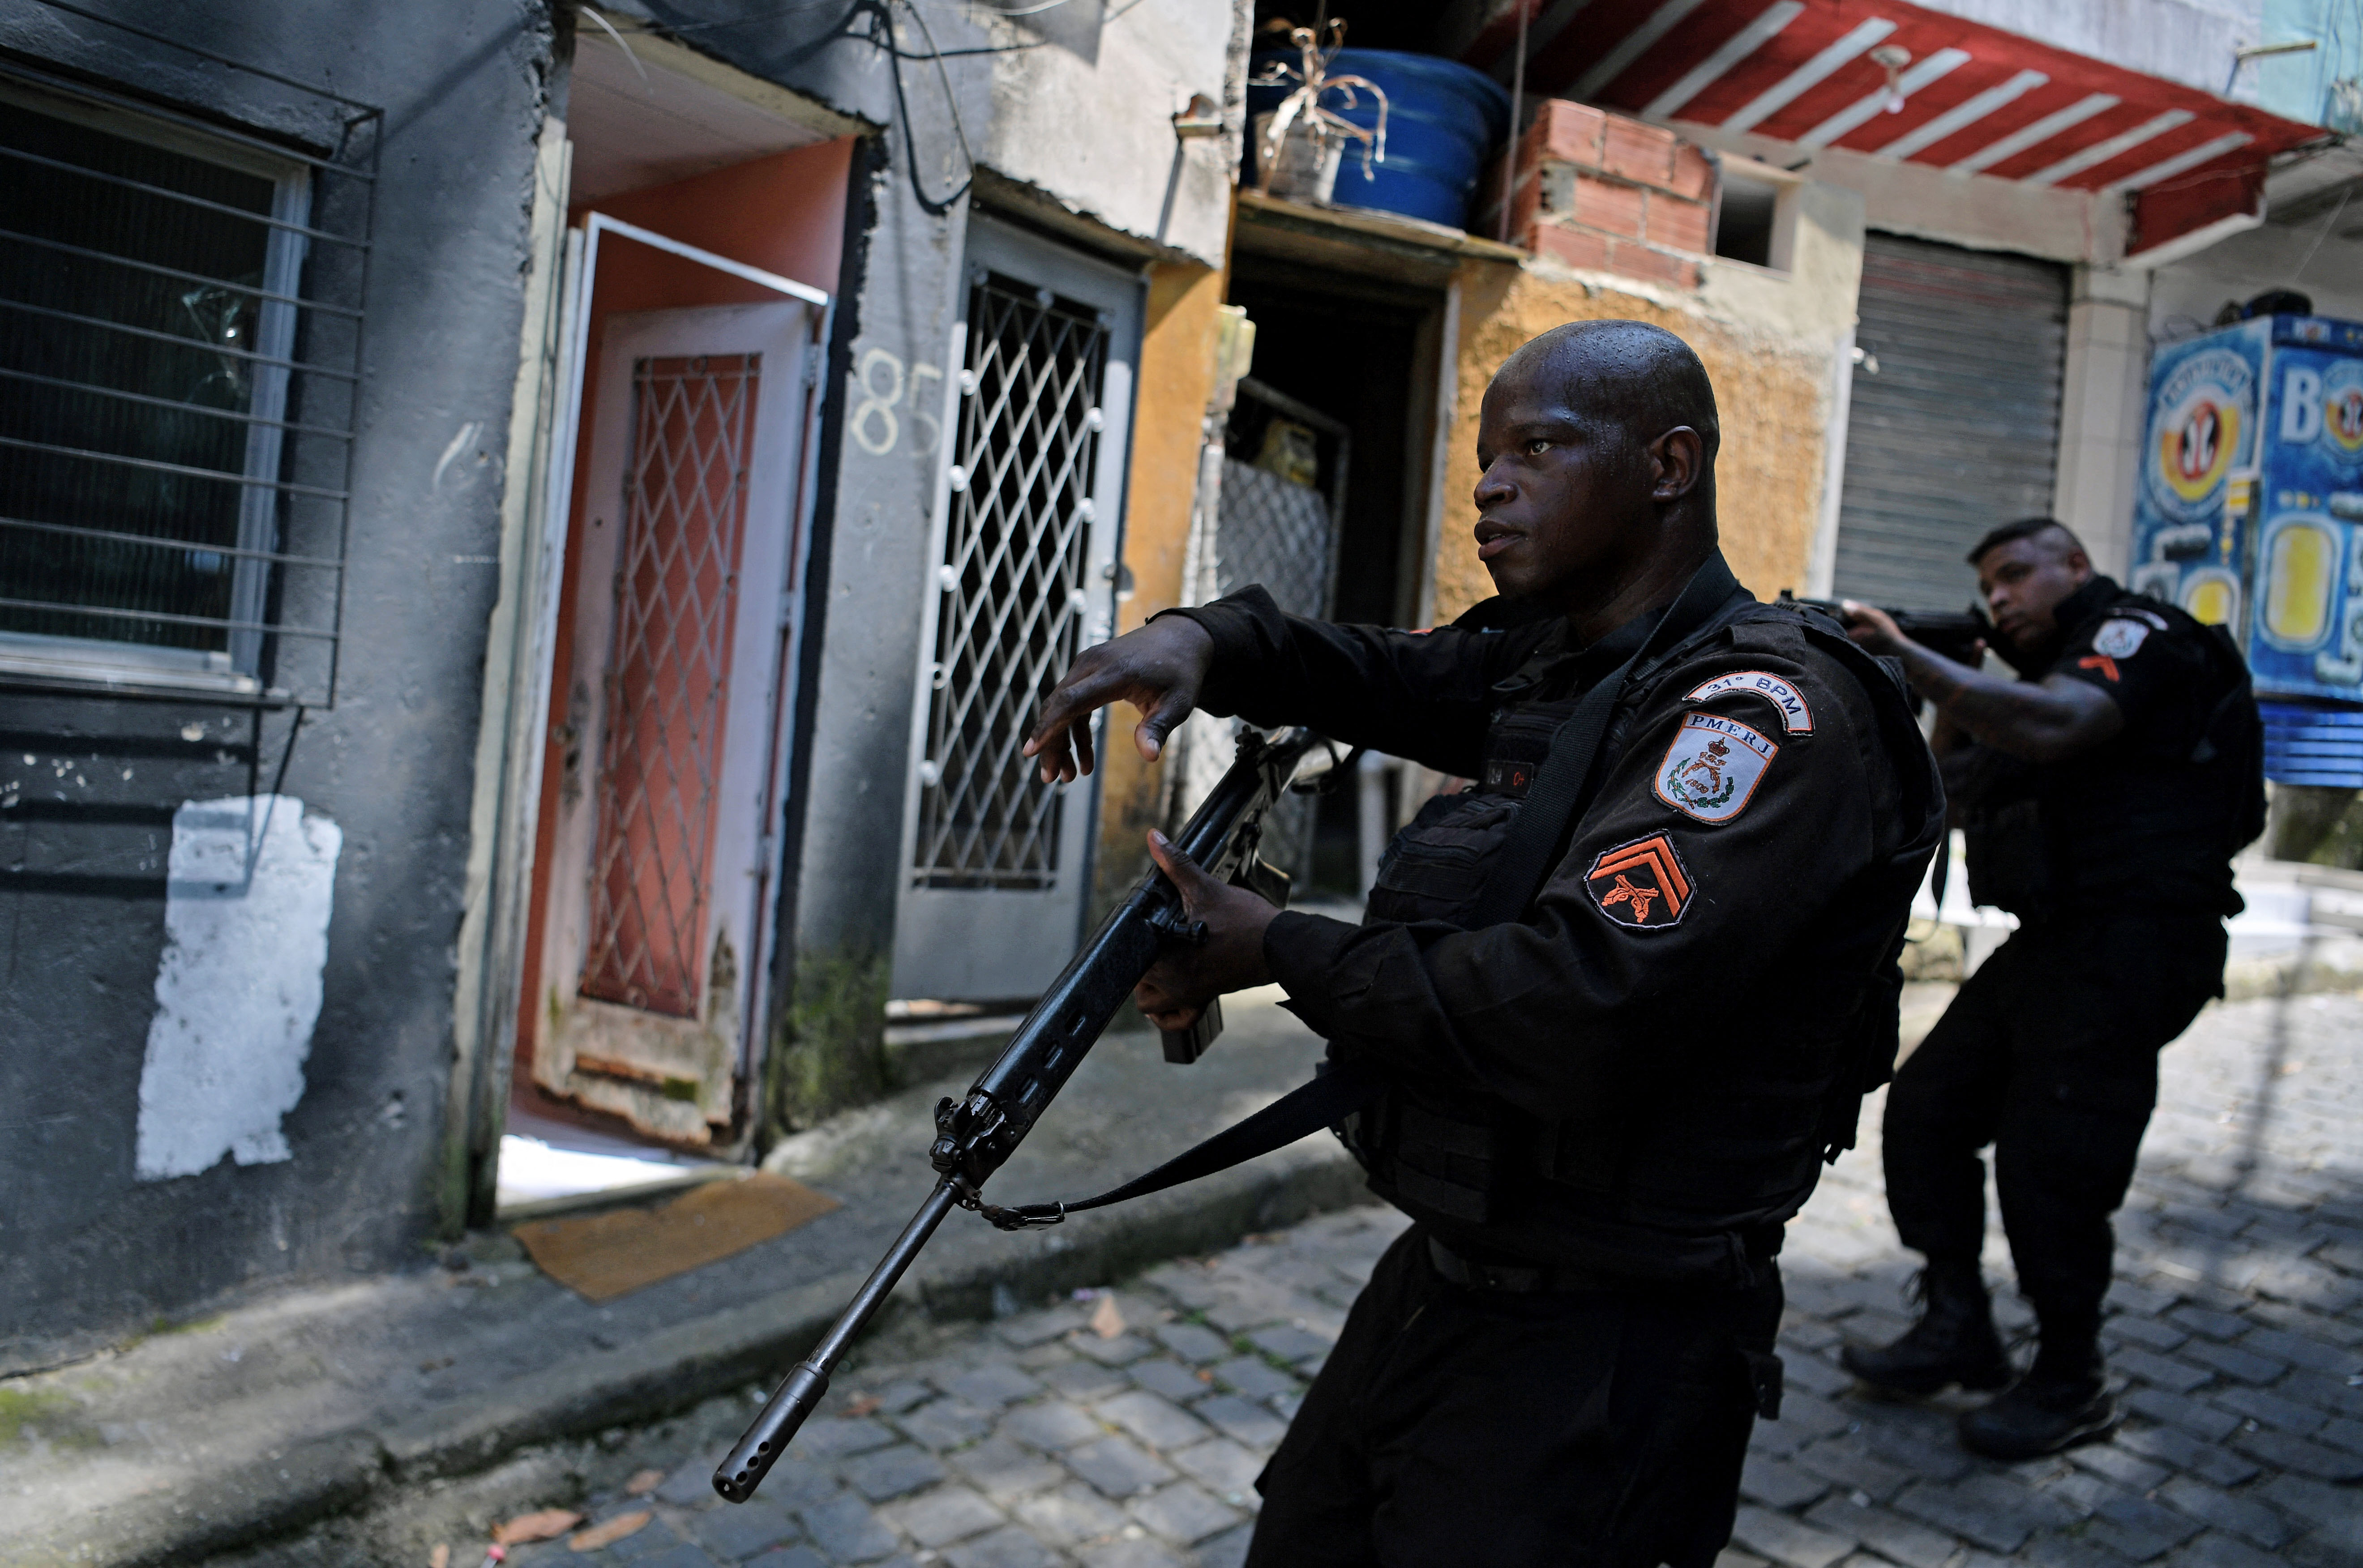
(976, 1134)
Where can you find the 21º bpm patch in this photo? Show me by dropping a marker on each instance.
(1712, 768)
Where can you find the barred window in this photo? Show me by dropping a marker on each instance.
(175, 404)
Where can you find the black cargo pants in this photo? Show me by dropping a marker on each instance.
(1482, 1429)
(2049, 1052)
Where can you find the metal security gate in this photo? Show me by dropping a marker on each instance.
(1955, 424)
(661, 760)
(666, 721)
(1278, 523)
(997, 864)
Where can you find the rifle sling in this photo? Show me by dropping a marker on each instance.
(1335, 1093)
(1540, 828)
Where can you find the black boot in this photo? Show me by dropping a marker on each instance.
(2062, 1401)
(1954, 1341)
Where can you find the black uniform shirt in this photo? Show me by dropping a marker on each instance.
(1744, 786)
(2142, 821)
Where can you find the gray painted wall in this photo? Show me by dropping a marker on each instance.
(86, 1251)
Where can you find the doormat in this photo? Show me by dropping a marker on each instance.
(602, 1256)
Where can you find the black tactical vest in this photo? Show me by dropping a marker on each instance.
(1685, 1172)
(2141, 823)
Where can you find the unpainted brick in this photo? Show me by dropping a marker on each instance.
(1640, 152)
(1573, 247)
(1608, 205)
(1677, 222)
(1571, 133)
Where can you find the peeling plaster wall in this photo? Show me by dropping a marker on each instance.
(1776, 346)
(87, 1252)
(1095, 133)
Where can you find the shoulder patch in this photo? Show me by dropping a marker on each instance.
(2119, 639)
(1712, 769)
(1642, 884)
(1796, 715)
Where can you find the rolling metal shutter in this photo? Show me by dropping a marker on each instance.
(1958, 428)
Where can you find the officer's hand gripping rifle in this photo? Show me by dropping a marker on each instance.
(975, 1134)
(1954, 635)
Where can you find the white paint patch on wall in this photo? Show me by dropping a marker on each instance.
(246, 940)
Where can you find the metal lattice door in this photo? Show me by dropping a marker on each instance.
(681, 582)
(998, 863)
(659, 765)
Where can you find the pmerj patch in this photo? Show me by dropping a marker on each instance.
(1796, 714)
(1642, 884)
(237, 990)
(1712, 767)
(2119, 639)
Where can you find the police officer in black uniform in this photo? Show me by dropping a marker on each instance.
(2104, 795)
(1623, 992)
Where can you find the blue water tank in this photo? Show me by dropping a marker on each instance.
(1443, 117)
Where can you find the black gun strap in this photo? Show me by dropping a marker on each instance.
(1531, 848)
(1335, 1094)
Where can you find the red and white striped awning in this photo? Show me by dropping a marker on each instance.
(1976, 100)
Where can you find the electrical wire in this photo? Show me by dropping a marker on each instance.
(952, 106)
(2331, 223)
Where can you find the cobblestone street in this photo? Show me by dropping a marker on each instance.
(1050, 1437)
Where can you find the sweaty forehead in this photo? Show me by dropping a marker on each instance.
(1546, 384)
(1636, 376)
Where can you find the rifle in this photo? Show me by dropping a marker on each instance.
(1955, 637)
(975, 1134)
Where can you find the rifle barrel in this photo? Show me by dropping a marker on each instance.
(743, 1469)
(1022, 1079)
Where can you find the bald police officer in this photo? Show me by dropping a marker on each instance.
(1623, 993)
(2104, 794)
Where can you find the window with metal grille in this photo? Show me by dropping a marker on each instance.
(1012, 576)
(180, 342)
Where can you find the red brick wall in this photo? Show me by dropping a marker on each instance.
(1605, 191)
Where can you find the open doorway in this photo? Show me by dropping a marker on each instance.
(1354, 362)
(706, 230)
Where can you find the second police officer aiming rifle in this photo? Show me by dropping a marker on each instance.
(977, 1133)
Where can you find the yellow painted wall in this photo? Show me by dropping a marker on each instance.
(1771, 394)
(1176, 377)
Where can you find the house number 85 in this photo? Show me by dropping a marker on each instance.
(882, 381)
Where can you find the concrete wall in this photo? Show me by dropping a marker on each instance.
(1776, 346)
(1093, 131)
(2103, 390)
(2311, 256)
(89, 1251)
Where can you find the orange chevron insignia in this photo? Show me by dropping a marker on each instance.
(1628, 881)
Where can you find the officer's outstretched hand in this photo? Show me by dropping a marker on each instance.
(1185, 978)
(1158, 670)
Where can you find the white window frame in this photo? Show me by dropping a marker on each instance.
(235, 670)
